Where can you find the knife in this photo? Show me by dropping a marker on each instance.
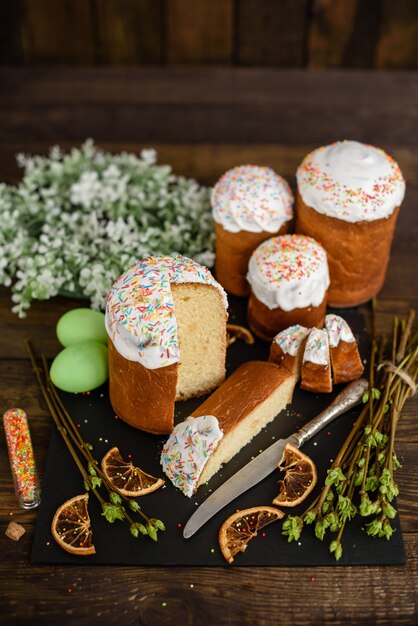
(266, 462)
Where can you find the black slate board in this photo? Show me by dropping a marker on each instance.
(114, 544)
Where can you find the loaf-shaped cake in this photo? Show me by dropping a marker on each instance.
(166, 321)
(246, 402)
(289, 279)
(287, 348)
(349, 196)
(316, 367)
(249, 204)
(345, 358)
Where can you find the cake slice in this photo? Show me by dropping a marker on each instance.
(345, 358)
(287, 348)
(316, 368)
(246, 402)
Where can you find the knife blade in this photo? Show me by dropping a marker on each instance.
(266, 462)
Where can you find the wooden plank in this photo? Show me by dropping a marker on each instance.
(271, 32)
(198, 32)
(57, 32)
(204, 161)
(10, 32)
(196, 597)
(398, 43)
(212, 105)
(129, 32)
(343, 33)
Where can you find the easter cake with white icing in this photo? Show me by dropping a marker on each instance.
(289, 280)
(250, 203)
(166, 322)
(345, 358)
(349, 196)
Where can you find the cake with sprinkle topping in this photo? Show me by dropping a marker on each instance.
(289, 278)
(316, 367)
(345, 358)
(166, 322)
(287, 348)
(349, 196)
(254, 395)
(249, 204)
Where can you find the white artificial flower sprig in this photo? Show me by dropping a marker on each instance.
(78, 220)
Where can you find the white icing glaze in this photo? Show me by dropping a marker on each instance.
(252, 198)
(317, 347)
(140, 318)
(187, 450)
(290, 271)
(338, 330)
(289, 340)
(351, 181)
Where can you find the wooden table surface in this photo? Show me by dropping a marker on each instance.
(204, 121)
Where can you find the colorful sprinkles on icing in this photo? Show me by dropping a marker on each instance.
(351, 181)
(22, 460)
(290, 339)
(289, 257)
(338, 330)
(317, 347)
(251, 197)
(140, 316)
(187, 450)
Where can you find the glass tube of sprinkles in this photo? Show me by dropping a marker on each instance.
(22, 459)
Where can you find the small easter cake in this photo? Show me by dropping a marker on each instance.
(316, 367)
(246, 402)
(166, 321)
(345, 358)
(287, 348)
(289, 279)
(249, 204)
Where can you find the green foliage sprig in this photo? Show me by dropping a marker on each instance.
(364, 467)
(76, 221)
(116, 508)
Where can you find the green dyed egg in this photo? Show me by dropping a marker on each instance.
(81, 325)
(80, 367)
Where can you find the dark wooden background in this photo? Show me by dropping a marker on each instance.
(280, 33)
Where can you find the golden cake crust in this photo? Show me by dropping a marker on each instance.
(357, 276)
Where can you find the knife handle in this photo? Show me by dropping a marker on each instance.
(349, 397)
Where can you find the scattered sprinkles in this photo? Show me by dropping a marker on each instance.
(252, 198)
(290, 339)
(289, 271)
(187, 450)
(338, 330)
(22, 460)
(140, 316)
(351, 181)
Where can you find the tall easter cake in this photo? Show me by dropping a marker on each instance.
(166, 321)
(349, 196)
(249, 204)
(289, 279)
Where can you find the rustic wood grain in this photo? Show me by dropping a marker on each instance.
(398, 42)
(57, 32)
(35, 108)
(343, 33)
(208, 105)
(271, 32)
(198, 32)
(128, 32)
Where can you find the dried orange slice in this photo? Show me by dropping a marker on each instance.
(71, 526)
(242, 526)
(235, 332)
(126, 478)
(300, 477)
